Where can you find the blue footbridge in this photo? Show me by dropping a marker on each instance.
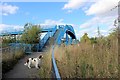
(56, 35)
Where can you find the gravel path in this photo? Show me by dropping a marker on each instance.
(21, 71)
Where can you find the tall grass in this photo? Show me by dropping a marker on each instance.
(86, 61)
(46, 66)
(10, 58)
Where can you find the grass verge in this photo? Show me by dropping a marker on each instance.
(86, 61)
(9, 59)
(46, 67)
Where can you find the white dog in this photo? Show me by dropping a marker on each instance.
(33, 61)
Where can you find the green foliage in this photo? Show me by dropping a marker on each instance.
(114, 33)
(93, 40)
(8, 40)
(31, 34)
(85, 38)
(83, 69)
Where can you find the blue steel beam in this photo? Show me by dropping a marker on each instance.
(21, 32)
(63, 29)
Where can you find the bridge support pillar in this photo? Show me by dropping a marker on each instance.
(66, 38)
(70, 40)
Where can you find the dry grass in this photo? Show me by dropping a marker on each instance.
(45, 70)
(87, 60)
(84, 61)
(10, 59)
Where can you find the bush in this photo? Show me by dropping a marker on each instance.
(31, 34)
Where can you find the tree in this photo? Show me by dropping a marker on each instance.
(93, 40)
(31, 33)
(85, 38)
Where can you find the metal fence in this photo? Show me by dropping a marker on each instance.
(12, 47)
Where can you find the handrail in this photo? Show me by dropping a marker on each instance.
(43, 41)
(57, 75)
(46, 37)
(61, 33)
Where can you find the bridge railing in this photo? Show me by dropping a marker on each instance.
(43, 41)
(46, 37)
(56, 72)
(53, 31)
(26, 47)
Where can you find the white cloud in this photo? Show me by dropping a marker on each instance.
(101, 31)
(74, 4)
(8, 9)
(90, 26)
(102, 7)
(92, 32)
(49, 23)
(95, 21)
(89, 23)
(10, 28)
(53, 22)
(103, 17)
(97, 7)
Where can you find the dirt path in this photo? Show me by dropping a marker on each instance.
(21, 71)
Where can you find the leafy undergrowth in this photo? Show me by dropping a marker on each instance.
(87, 60)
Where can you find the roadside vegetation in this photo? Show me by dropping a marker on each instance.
(95, 57)
(31, 35)
(11, 54)
(91, 58)
(10, 58)
(46, 66)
